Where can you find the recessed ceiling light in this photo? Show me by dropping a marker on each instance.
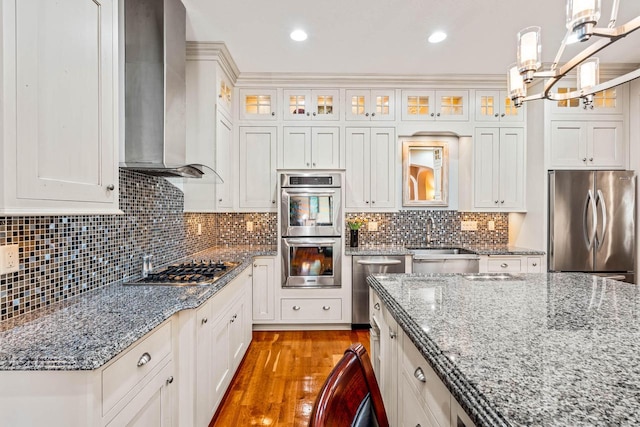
(298, 35)
(437, 37)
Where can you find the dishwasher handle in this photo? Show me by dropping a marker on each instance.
(379, 262)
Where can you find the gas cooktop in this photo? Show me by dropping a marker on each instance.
(193, 273)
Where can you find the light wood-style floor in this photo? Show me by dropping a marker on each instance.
(282, 372)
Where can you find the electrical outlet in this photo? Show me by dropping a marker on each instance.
(372, 226)
(9, 262)
(199, 229)
(491, 225)
(468, 225)
(249, 225)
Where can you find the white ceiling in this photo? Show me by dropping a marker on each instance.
(389, 37)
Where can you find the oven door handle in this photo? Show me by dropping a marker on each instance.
(313, 242)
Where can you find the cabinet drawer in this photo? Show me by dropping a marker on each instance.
(311, 309)
(411, 410)
(504, 265)
(534, 265)
(123, 375)
(430, 388)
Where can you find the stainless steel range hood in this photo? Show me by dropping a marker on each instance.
(155, 52)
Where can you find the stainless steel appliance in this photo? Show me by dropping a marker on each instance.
(310, 204)
(445, 260)
(592, 222)
(194, 273)
(363, 266)
(312, 262)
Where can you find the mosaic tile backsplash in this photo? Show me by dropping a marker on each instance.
(409, 228)
(63, 256)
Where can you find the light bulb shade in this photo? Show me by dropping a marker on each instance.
(529, 49)
(589, 74)
(515, 84)
(580, 12)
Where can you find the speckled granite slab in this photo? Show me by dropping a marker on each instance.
(402, 250)
(86, 332)
(558, 349)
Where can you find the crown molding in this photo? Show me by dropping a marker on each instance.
(214, 51)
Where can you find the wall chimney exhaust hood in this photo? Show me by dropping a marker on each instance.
(155, 54)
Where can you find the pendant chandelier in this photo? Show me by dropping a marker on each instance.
(582, 21)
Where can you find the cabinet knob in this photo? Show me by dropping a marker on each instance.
(326, 307)
(584, 159)
(111, 187)
(220, 200)
(504, 265)
(496, 115)
(314, 113)
(502, 115)
(419, 374)
(296, 307)
(273, 202)
(255, 265)
(308, 114)
(366, 201)
(501, 201)
(373, 114)
(591, 159)
(377, 306)
(144, 359)
(307, 164)
(273, 113)
(432, 114)
(170, 380)
(438, 114)
(366, 114)
(392, 334)
(535, 264)
(373, 201)
(496, 201)
(204, 320)
(314, 165)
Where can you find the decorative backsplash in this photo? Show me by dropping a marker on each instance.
(63, 256)
(409, 228)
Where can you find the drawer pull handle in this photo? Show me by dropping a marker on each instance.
(144, 359)
(326, 307)
(296, 307)
(377, 306)
(504, 265)
(419, 374)
(535, 264)
(169, 380)
(392, 334)
(204, 320)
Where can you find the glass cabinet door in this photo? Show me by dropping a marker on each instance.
(311, 104)
(496, 106)
(257, 104)
(369, 105)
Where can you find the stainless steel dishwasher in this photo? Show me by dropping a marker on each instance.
(363, 266)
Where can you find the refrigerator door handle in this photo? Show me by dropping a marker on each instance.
(590, 235)
(603, 208)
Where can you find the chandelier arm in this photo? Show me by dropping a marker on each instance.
(554, 96)
(556, 61)
(614, 13)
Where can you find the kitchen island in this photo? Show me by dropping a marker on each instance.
(535, 349)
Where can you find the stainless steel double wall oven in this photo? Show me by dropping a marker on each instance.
(311, 224)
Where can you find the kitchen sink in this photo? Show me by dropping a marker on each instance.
(439, 251)
(491, 277)
(444, 260)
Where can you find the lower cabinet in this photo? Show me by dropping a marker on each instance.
(136, 388)
(264, 287)
(311, 310)
(511, 264)
(412, 392)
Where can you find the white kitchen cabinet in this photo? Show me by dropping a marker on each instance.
(316, 104)
(588, 144)
(264, 288)
(412, 412)
(59, 95)
(209, 136)
(451, 105)
(499, 169)
(372, 105)
(258, 104)
(370, 159)
(135, 388)
(310, 148)
(610, 101)
(258, 168)
(496, 106)
(459, 417)
(510, 264)
(223, 333)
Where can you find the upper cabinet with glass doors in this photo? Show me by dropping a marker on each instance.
(496, 106)
(258, 104)
(363, 104)
(311, 104)
(610, 101)
(435, 105)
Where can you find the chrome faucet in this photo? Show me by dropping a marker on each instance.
(430, 226)
(147, 265)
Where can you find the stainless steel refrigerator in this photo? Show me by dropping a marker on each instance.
(592, 222)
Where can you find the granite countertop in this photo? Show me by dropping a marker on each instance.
(557, 349)
(407, 250)
(87, 331)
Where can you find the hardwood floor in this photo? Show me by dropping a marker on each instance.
(281, 374)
